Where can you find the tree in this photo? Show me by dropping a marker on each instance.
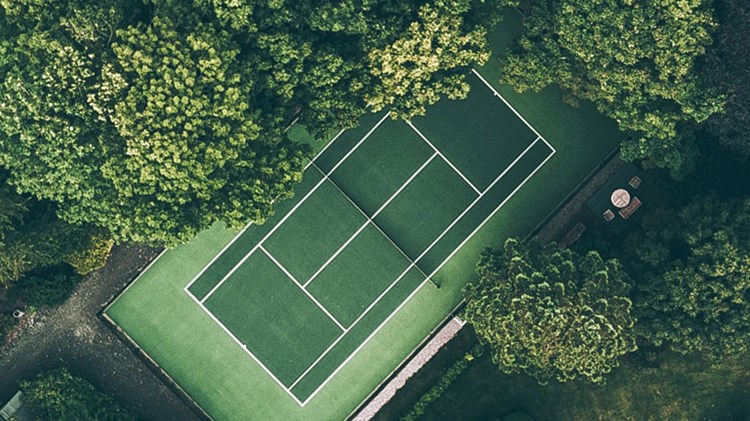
(7, 323)
(551, 313)
(154, 119)
(49, 286)
(634, 60)
(31, 236)
(151, 138)
(693, 286)
(59, 395)
(429, 60)
(727, 68)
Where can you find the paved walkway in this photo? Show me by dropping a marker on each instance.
(73, 335)
(417, 362)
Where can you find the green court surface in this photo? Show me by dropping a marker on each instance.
(353, 236)
(303, 316)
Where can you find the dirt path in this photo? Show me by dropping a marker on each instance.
(73, 335)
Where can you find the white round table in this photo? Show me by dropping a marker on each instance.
(620, 198)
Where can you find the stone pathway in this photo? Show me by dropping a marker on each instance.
(417, 362)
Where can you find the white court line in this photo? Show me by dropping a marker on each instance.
(437, 269)
(242, 231)
(296, 282)
(374, 215)
(211, 262)
(444, 158)
(296, 206)
(413, 264)
(363, 314)
(244, 347)
(507, 104)
(539, 137)
(325, 147)
(476, 200)
(319, 388)
(377, 227)
(528, 177)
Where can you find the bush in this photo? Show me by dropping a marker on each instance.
(7, 323)
(93, 256)
(50, 287)
(436, 391)
(59, 395)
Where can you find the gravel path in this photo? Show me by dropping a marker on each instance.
(415, 364)
(73, 335)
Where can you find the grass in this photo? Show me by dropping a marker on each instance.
(165, 322)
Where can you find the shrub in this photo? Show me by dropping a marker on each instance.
(7, 323)
(93, 256)
(442, 385)
(59, 395)
(50, 287)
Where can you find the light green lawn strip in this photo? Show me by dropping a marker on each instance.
(305, 241)
(425, 207)
(381, 165)
(480, 135)
(358, 275)
(282, 327)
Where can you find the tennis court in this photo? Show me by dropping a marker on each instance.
(380, 210)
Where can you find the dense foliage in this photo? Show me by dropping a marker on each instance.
(634, 60)
(427, 62)
(442, 385)
(59, 395)
(693, 270)
(49, 287)
(551, 313)
(153, 120)
(31, 236)
(7, 323)
(728, 69)
(93, 255)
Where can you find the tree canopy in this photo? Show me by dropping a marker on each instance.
(634, 60)
(727, 67)
(152, 120)
(32, 237)
(693, 271)
(60, 395)
(551, 313)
